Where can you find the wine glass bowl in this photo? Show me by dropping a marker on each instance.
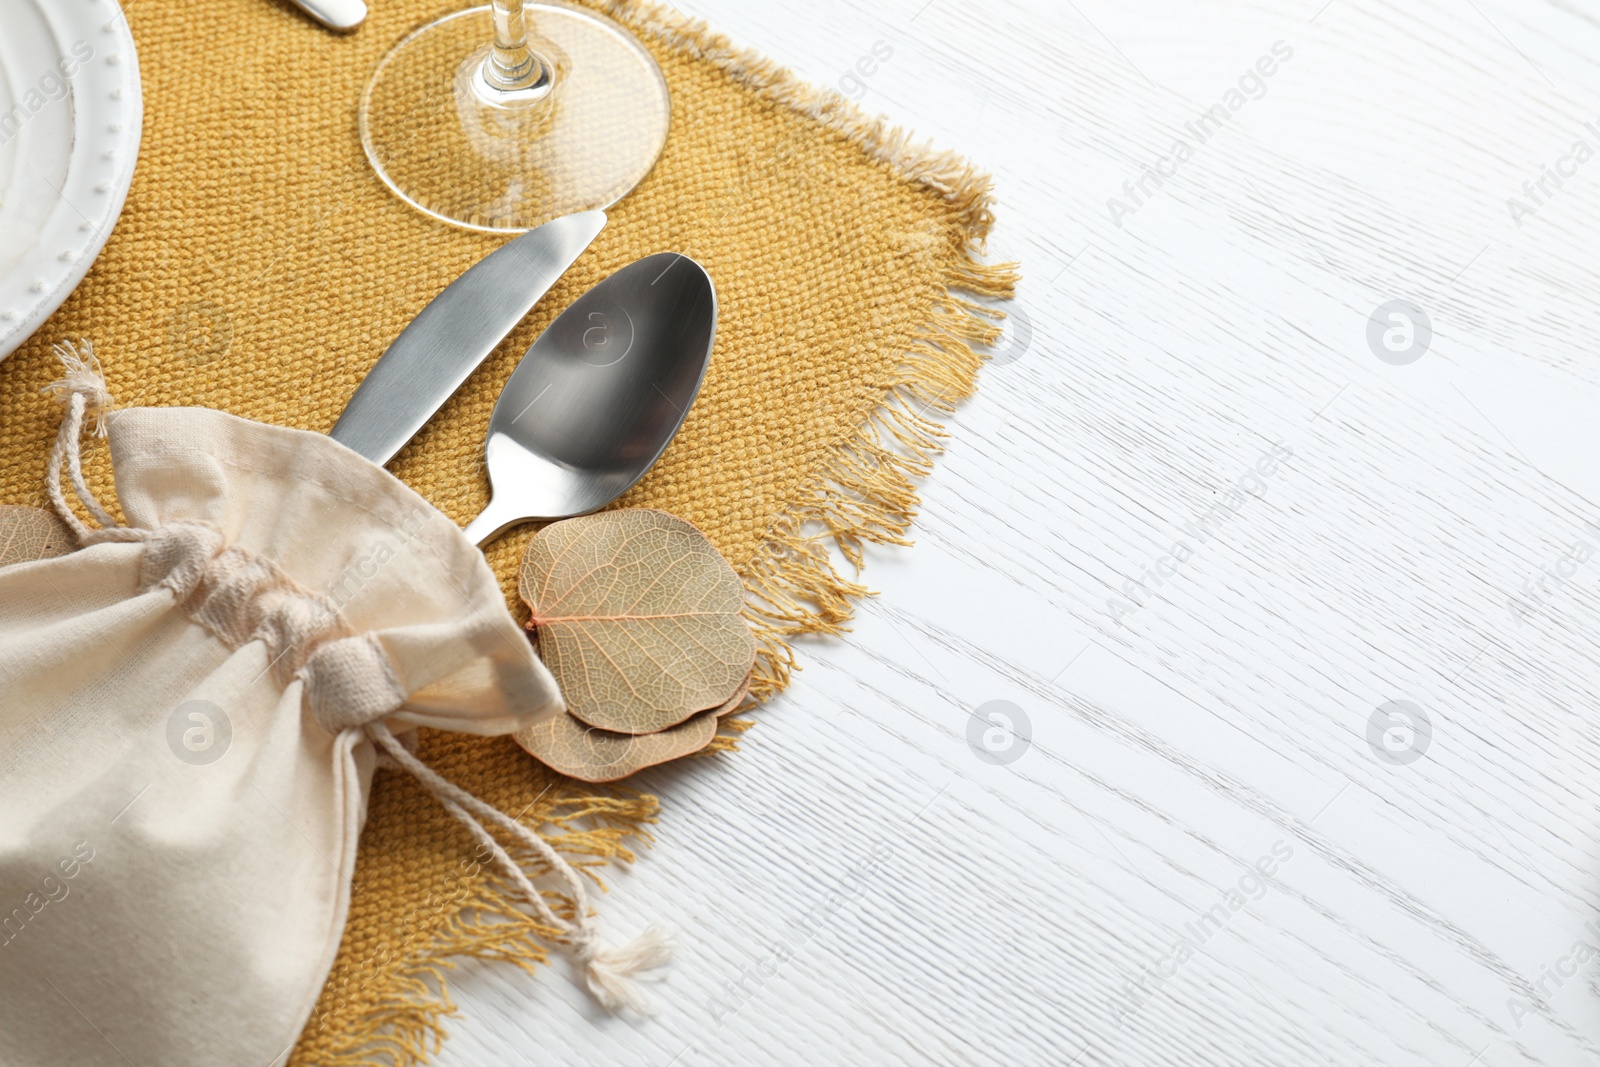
(502, 117)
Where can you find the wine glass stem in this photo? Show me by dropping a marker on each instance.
(512, 64)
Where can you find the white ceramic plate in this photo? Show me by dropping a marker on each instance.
(70, 112)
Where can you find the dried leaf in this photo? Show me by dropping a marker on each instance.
(580, 751)
(735, 700)
(27, 534)
(638, 618)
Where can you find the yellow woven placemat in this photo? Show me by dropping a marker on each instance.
(260, 268)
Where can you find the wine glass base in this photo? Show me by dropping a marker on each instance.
(439, 136)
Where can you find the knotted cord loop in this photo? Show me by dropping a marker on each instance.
(83, 394)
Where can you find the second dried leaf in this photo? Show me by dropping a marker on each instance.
(29, 534)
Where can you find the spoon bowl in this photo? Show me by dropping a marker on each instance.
(598, 397)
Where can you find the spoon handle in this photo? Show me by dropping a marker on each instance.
(481, 530)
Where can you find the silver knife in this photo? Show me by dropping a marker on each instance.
(456, 332)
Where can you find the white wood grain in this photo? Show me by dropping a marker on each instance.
(1425, 908)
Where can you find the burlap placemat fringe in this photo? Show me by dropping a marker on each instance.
(867, 493)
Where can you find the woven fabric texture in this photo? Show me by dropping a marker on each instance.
(261, 268)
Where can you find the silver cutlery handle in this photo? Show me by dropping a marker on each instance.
(340, 15)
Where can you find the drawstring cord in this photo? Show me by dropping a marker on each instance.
(612, 975)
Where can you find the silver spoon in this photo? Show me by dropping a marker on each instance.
(595, 401)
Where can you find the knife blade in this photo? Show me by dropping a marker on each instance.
(455, 333)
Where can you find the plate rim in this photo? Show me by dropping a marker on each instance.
(84, 20)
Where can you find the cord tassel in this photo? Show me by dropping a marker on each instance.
(84, 378)
(612, 976)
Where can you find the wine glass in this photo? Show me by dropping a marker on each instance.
(502, 117)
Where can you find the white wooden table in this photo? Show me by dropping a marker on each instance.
(1200, 648)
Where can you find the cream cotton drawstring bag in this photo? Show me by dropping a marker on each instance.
(192, 707)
